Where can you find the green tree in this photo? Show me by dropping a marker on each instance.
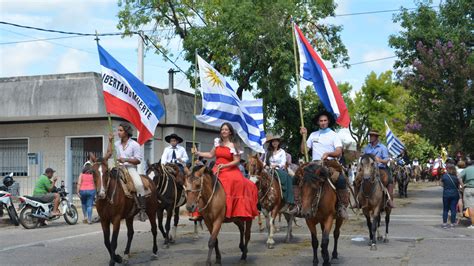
(248, 41)
(379, 99)
(437, 65)
(418, 147)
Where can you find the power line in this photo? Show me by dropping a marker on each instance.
(367, 61)
(63, 32)
(378, 11)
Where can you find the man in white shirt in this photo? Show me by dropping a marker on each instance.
(129, 155)
(175, 153)
(325, 144)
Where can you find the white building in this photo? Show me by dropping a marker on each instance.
(55, 120)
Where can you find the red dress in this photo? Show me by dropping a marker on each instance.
(241, 193)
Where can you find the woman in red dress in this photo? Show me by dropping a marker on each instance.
(241, 194)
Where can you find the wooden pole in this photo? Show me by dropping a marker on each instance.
(299, 90)
(195, 103)
(111, 130)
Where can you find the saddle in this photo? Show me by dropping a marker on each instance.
(127, 183)
(335, 169)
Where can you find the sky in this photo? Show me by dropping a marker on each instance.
(365, 36)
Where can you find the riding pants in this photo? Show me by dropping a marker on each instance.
(137, 181)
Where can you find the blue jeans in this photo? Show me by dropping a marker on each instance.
(449, 204)
(87, 200)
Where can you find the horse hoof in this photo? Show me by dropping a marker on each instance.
(154, 256)
(218, 262)
(195, 237)
(270, 246)
(166, 246)
(373, 247)
(385, 240)
(172, 241)
(326, 263)
(118, 259)
(125, 259)
(334, 256)
(379, 238)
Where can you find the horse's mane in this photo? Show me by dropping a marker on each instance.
(206, 171)
(367, 155)
(314, 172)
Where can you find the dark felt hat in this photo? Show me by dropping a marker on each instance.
(173, 136)
(332, 120)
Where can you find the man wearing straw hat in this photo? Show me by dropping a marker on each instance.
(381, 156)
(326, 145)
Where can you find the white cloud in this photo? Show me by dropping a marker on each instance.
(22, 19)
(15, 60)
(71, 61)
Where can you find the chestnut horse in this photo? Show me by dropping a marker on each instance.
(318, 198)
(206, 193)
(269, 197)
(113, 206)
(169, 190)
(373, 197)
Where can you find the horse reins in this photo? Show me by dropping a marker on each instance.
(269, 187)
(201, 189)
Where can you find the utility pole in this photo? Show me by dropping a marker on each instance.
(140, 75)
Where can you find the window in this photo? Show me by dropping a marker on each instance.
(189, 145)
(14, 157)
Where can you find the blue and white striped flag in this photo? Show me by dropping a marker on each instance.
(255, 109)
(394, 145)
(220, 104)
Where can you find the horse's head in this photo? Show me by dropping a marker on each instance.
(311, 181)
(194, 186)
(254, 167)
(101, 175)
(154, 172)
(367, 166)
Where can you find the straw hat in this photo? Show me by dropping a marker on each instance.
(374, 132)
(273, 137)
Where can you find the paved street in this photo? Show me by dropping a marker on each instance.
(416, 238)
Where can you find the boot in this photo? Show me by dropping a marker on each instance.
(142, 214)
(292, 209)
(390, 192)
(342, 203)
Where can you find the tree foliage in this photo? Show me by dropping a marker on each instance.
(379, 99)
(437, 65)
(418, 147)
(248, 41)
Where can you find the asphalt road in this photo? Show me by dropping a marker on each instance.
(416, 238)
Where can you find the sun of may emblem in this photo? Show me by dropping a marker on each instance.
(213, 78)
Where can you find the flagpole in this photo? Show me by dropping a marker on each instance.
(195, 103)
(298, 90)
(111, 130)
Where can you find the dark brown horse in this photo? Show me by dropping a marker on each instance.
(318, 198)
(372, 197)
(206, 193)
(170, 193)
(113, 205)
(269, 197)
(402, 177)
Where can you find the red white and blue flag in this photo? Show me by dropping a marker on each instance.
(126, 96)
(312, 69)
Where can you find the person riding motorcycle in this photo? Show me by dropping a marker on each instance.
(44, 190)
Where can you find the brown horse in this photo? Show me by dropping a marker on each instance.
(170, 193)
(269, 197)
(206, 193)
(372, 197)
(318, 198)
(416, 173)
(113, 205)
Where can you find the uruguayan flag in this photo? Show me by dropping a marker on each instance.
(220, 104)
(255, 109)
(394, 145)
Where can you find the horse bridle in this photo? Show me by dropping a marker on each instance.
(102, 188)
(200, 191)
(375, 179)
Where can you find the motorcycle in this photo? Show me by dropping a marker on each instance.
(34, 211)
(6, 199)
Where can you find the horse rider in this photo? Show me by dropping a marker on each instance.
(326, 145)
(376, 148)
(129, 155)
(175, 154)
(275, 158)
